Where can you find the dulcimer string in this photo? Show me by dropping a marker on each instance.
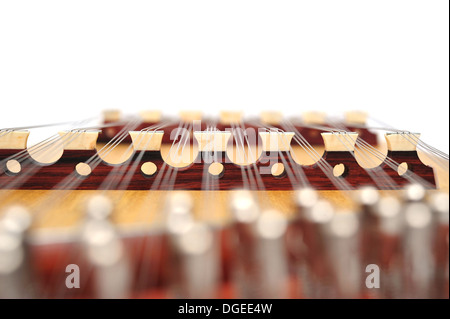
(441, 159)
(70, 182)
(25, 153)
(326, 167)
(413, 178)
(145, 270)
(292, 174)
(42, 148)
(28, 162)
(210, 183)
(71, 123)
(251, 179)
(420, 143)
(127, 167)
(318, 159)
(78, 253)
(123, 182)
(289, 172)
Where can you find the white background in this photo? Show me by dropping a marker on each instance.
(62, 60)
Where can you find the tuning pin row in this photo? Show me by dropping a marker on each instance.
(404, 239)
(322, 252)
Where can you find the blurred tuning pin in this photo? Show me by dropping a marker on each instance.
(261, 270)
(418, 253)
(342, 246)
(244, 206)
(390, 220)
(386, 245)
(196, 257)
(316, 283)
(306, 198)
(99, 207)
(178, 211)
(104, 250)
(439, 203)
(272, 254)
(414, 192)
(15, 268)
(195, 251)
(368, 197)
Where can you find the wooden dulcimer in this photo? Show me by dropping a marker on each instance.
(223, 207)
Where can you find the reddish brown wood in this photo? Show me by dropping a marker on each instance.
(57, 175)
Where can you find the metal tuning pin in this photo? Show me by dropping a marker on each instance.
(194, 251)
(262, 267)
(368, 198)
(104, 251)
(439, 203)
(418, 254)
(178, 212)
(305, 199)
(386, 246)
(271, 254)
(316, 282)
(99, 207)
(343, 247)
(15, 269)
